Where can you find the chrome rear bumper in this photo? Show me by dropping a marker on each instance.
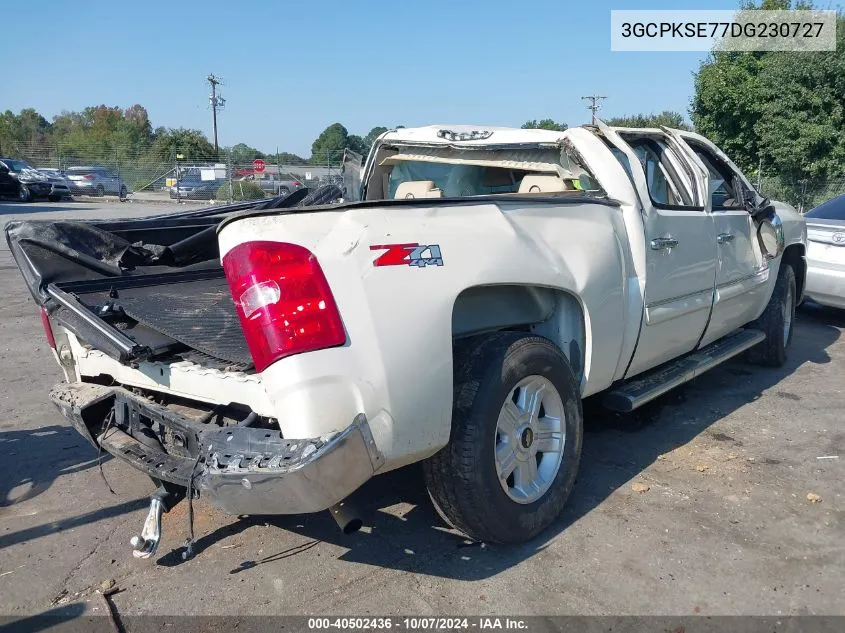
(302, 481)
(243, 470)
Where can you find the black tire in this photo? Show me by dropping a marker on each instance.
(100, 191)
(123, 193)
(462, 479)
(24, 194)
(54, 197)
(283, 191)
(773, 351)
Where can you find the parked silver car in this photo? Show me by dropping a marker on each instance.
(274, 186)
(95, 181)
(826, 253)
(61, 185)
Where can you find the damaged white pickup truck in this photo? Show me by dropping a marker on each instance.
(454, 308)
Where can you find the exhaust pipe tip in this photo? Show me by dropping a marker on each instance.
(346, 517)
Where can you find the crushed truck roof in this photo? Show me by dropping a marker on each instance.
(485, 135)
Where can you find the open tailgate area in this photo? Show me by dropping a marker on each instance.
(135, 290)
(166, 314)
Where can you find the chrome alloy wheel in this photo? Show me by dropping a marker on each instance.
(530, 437)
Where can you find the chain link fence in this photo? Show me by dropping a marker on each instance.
(182, 175)
(804, 194)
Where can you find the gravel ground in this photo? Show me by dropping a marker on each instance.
(723, 524)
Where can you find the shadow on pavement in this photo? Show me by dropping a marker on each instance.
(51, 619)
(45, 529)
(34, 458)
(617, 447)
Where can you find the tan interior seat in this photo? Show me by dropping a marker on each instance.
(542, 183)
(417, 189)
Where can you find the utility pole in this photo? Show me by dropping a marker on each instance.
(803, 182)
(593, 99)
(216, 102)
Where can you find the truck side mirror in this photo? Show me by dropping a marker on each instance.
(770, 236)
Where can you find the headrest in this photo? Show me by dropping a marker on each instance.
(417, 189)
(541, 183)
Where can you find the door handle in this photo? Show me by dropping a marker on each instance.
(663, 243)
(725, 238)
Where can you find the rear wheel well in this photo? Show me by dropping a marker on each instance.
(548, 312)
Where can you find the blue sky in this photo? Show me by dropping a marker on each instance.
(292, 69)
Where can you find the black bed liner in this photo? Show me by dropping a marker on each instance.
(195, 310)
(199, 314)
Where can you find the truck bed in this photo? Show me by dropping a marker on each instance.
(197, 313)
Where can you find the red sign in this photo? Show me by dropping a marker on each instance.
(258, 165)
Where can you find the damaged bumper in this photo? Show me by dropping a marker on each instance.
(241, 470)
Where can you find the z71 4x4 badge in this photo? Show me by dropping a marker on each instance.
(420, 255)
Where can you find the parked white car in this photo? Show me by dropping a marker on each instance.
(826, 253)
(486, 281)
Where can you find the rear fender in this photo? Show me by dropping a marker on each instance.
(563, 259)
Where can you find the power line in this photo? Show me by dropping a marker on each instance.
(594, 106)
(216, 102)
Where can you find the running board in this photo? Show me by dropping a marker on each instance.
(643, 388)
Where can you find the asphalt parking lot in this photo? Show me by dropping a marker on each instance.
(724, 527)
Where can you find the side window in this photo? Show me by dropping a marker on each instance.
(722, 194)
(664, 185)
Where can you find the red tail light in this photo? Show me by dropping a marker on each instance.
(89, 176)
(296, 183)
(48, 329)
(283, 300)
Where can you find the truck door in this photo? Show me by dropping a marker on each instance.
(742, 272)
(680, 245)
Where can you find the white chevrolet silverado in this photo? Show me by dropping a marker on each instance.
(471, 287)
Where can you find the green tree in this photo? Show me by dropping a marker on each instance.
(135, 128)
(23, 131)
(544, 124)
(782, 109)
(667, 117)
(243, 154)
(192, 144)
(288, 158)
(371, 137)
(329, 145)
(356, 144)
